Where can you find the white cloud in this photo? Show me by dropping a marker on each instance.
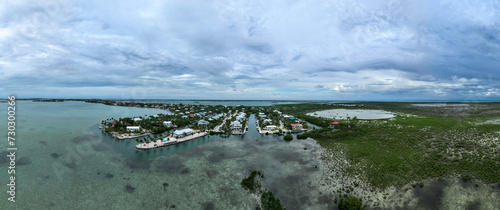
(228, 49)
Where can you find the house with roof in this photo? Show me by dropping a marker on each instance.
(183, 132)
(133, 128)
(236, 125)
(137, 119)
(270, 128)
(203, 122)
(167, 123)
(241, 116)
(297, 126)
(267, 121)
(184, 116)
(333, 124)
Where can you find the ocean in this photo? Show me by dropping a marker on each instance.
(64, 161)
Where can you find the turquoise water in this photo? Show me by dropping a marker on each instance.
(65, 162)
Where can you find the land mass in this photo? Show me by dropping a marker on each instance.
(373, 158)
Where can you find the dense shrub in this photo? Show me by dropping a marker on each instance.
(350, 203)
(269, 202)
(250, 183)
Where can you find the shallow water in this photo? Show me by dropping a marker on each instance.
(66, 162)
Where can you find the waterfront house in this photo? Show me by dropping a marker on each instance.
(241, 116)
(270, 128)
(236, 125)
(183, 132)
(297, 126)
(137, 119)
(167, 123)
(133, 128)
(112, 122)
(333, 124)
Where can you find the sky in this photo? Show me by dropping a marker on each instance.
(226, 49)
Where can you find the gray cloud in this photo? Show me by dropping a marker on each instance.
(378, 50)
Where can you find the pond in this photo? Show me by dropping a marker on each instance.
(364, 114)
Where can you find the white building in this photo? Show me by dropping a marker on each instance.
(183, 132)
(241, 116)
(167, 123)
(236, 125)
(203, 122)
(270, 128)
(133, 128)
(137, 119)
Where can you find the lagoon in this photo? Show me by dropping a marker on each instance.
(364, 114)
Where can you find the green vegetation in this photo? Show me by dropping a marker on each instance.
(197, 117)
(267, 199)
(288, 137)
(350, 203)
(406, 148)
(250, 183)
(269, 202)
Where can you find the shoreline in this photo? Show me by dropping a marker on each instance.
(172, 141)
(119, 136)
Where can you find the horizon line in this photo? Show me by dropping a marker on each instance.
(284, 100)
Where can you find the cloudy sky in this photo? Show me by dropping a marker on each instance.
(226, 49)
